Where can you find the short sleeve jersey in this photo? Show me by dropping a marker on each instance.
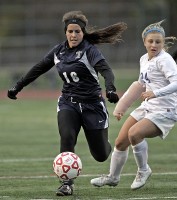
(155, 74)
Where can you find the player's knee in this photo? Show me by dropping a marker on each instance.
(134, 136)
(101, 158)
(121, 145)
(102, 155)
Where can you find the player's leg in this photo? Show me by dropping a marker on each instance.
(99, 145)
(142, 129)
(121, 149)
(69, 127)
(153, 125)
(118, 158)
(69, 124)
(95, 125)
(137, 134)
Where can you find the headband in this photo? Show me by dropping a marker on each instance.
(154, 30)
(156, 27)
(81, 23)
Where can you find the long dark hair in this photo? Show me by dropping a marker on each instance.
(110, 34)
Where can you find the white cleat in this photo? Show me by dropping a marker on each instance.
(104, 180)
(141, 178)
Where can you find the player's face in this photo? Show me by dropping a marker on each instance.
(74, 35)
(154, 43)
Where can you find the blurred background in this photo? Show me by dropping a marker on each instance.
(30, 28)
(28, 128)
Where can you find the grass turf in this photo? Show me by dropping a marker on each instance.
(29, 142)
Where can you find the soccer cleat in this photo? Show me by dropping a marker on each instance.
(141, 178)
(104, 180)
(64, 190)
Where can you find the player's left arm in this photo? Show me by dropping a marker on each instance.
(169, 69)
(130, 96)
(103, 68)
(97, 60)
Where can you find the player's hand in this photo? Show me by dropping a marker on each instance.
(12, 92)
(112, 96)
(147, 95)
(118, 115)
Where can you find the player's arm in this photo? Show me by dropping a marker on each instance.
(170, 70)
(40, 68)
(103, 68)
(130, 96)
(169, 89)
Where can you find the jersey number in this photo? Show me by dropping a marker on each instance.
(144, 77)
(73, 75)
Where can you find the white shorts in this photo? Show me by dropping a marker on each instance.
(158, 118)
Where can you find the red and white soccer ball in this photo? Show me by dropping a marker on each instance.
(67, 165)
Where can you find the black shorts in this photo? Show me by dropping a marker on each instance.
(94, 115)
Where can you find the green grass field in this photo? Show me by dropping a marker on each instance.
(29, 142)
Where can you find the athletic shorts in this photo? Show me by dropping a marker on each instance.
(93, 115)
(158, 118)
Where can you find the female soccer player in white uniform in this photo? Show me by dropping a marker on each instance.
(156, 116)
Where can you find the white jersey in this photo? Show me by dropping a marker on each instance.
(156, 74)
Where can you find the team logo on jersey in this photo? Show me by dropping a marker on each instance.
(56, 60)
(78, 54)
(151, 68)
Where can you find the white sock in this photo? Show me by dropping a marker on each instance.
(140, 151)
(118, 160)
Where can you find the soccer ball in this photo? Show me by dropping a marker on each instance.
(67, 165)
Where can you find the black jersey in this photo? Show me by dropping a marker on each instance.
(78, 67)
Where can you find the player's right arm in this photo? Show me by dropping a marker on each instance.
(130, 96)
(40, 68)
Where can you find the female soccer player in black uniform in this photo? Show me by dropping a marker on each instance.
(81, 104)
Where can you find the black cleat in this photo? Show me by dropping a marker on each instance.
(64, 190)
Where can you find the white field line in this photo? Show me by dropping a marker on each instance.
(25, 160)
(82, 175)
(151, 198)
(145, 198)
(52, 176)
(50, 159)
(140, 198)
